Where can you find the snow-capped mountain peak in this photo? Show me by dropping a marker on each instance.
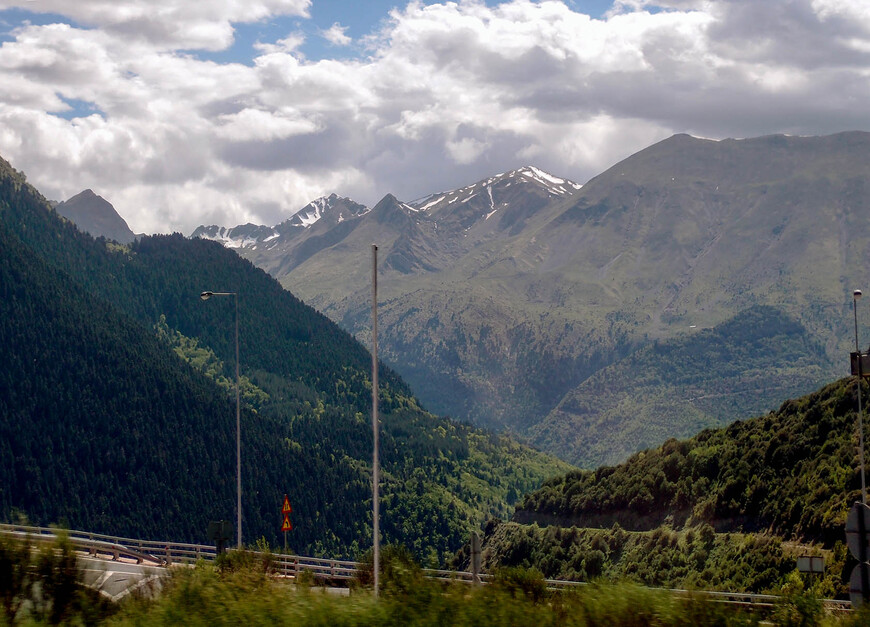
(553, 184)
(334, 208)
(527, 175)
(242, 236)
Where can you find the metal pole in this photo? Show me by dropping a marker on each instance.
(375, 471)
(855, 296)
(206, 296)
(238, 436)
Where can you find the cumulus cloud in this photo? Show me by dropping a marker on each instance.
(447, 94)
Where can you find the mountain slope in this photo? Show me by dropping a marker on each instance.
(499, 313)
(677, 387)
(683, 235)
(107, 429)
(444, 329)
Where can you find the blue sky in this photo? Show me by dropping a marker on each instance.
(223, 112)
(359, 18)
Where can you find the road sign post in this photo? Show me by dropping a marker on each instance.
(286, 525)
(219, 532)
(814, 564)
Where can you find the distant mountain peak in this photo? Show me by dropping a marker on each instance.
(95, 215)
(326, 210)
(557, 186)
(334, 208)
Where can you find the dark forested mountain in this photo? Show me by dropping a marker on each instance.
(95, 215)
(513, 292)
(116, 417)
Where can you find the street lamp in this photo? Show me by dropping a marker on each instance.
(206, 296)
(855, 296)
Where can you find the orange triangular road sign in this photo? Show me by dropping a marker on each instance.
(287, 526)
(286, 509)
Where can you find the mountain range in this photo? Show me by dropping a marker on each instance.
(502, 299)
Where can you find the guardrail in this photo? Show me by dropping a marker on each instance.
(160, 553)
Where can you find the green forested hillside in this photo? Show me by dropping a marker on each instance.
(731, 508)
(677, 387)
(695, 558)
(793, 472)
(105, 427)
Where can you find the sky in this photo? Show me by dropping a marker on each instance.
(183, 113)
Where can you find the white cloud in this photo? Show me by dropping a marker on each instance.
(448, 93)
(258, 125)
(168, 24)
(466, 150)
(288, 45)
(336, 35)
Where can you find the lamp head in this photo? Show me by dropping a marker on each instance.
(856, 294)
(206, 295)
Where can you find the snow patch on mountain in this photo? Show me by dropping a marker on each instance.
(553, 184)
(491, 203)
(308, 218)
(242, 236)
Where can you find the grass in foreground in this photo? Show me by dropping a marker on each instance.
(246, 594)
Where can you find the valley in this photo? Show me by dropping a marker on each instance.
(506, 302)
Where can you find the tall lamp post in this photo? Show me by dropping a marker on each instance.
(376, 531)
(235, 295)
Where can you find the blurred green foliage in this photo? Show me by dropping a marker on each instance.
(205, 596)
(41, 583)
